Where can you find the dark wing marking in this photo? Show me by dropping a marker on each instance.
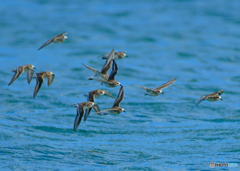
(114, 71)
(79, 116)
(88, 111)
(119, 98)
(18, 72)
(108, 63)
(220, 92)
(166, 84)
(39, 80)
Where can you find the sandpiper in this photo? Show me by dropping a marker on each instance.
(80, 112)
(211, 97)
(57, 39)
(40, 78)
(116, 109)
(19, 70)
(103, 75)
(91, 98)
(158, 90)
(117, 55)
(111, 82)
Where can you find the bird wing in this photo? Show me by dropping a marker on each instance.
(18, 72)
(220, 92)
(145, 88)
(108, 93)
(202, 99)
(79, 116)
(88, 111)
(114, 71)
(166, 84)
(39, 80)
(50, 79)
(47, 43)
(97, 109)
(30, 73)
(96, 72)
(59, 36)
(119, 98)
(108, 63)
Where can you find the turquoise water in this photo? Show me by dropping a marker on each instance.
(197, 42)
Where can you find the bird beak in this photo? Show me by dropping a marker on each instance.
(34, 68)
(124, 111)
(162, 93)
(221, 99)
(127, 56)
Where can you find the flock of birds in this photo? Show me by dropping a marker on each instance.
(100, 76)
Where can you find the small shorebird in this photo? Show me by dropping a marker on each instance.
(117, 55)
(80, 112)
(57, 39)
(40, 78)
(211, 97)
(111, 82)
(19, 70)
(158, 90)
(116, 109)
(91, 98)
(103, 75)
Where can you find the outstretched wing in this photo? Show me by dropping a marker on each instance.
(47, 43)
(108, 63)
(59, 36)
(50, 79)
(88, 111)
(108, 93)
(202, 99)
(114, 71)
(18, 72)
(119, 98)
(94, 70)
(79, 116)
(97, 109)
(39, 80)
(30, 74)
(145, 88)
(166, 84)
(220, 92)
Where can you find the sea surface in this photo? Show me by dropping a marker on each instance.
(197, 42)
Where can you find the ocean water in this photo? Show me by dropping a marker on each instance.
(197, 42)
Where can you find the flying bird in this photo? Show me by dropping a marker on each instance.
(116, 109)
(40, 78)
(211, 97)
(91, 98)
(117, 55)
(80, 112)
(111, 82)
(19, 70)
(158, 90)
(103, 74)
(57, 39)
